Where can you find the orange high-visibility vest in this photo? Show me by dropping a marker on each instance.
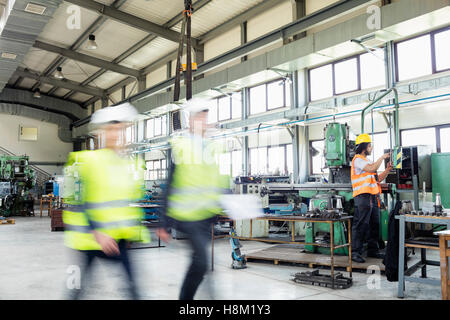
(365, 182)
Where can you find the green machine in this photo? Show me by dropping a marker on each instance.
(16, 180)
(441, 177)
(339, 151)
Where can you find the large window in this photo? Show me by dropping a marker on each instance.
(273, 160)
(230, 163)
(423, 55)
(156, 170)
(363, 71)
(416, 137)
(224, 105)
(414, 58)
(156, 127)
(317, 157)
(444, 134)
(236, 105)
(270, 96)
(442, 49)
(321, 82)
(372, 69)
(346, 76)
(130, 134)
(225, 108)
(380, 142)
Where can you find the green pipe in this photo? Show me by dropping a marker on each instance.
(372, 105)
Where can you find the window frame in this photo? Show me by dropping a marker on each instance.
(266, 86)
(333, 76)
(284, 145)
(432, 35)
(158, 171)
(163, 126)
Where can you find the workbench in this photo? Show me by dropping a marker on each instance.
(406, 275)
(292, 220)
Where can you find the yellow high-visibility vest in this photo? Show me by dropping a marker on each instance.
(197, 184)
(109, 184)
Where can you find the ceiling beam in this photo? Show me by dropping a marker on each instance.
(131, 20)
(264, 6)
(77, 44)
(169, 24)
(81, 57)
(66, 84)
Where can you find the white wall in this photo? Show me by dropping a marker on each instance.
(48, 147)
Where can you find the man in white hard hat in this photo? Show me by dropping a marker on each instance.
(192, 198)
(99, 223)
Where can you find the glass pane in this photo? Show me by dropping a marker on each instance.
(318, 161)
(321, 82)
(158, 127)
(258, 161)
(346, 76)
(164, 164)
(287, 90)
(150, 165)
(236, 163)
(128, 134)
(380, 143)
(258, 99)
(445, 139)
(414, 58)
(275, 95)
(150, 128)
(224, 108)
(212, 114)
(442, 47)
(164, 125)
(225, 163)
(372, 69)
(289, 159)
(236, 105)
(276, 160)
(418, 137)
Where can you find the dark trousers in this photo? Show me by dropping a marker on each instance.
(88, 256)
(199, 235)
(366, 224)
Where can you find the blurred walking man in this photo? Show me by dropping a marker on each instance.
(98, 188)
(192, 198)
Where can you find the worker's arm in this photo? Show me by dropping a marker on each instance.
(384, 174)
(373, 167)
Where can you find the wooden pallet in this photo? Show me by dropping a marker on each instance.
(7, 221)
(293, 254)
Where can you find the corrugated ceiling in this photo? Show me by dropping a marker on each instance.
(114, 38)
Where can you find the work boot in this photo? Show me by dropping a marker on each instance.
(357, 258)
(376, 255)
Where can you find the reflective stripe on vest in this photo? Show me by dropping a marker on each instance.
(364, 182)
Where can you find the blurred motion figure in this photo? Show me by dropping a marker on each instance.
(99, 186)
(192, 197)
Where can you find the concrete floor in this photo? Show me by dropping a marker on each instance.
(34, 265)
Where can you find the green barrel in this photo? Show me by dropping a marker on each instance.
(440, 168)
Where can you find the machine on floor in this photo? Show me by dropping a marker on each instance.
(16, 180)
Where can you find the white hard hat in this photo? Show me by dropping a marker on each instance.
(122, 113)
(196, 105)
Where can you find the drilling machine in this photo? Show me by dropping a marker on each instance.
(339, 152)
(16, 179)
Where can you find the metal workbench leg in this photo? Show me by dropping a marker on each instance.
(423, 259)
(332, 253)
(401, 258)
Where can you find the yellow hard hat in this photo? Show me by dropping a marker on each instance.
(364, 137)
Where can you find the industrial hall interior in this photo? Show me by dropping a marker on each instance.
(224, 149)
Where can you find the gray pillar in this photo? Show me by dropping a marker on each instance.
(245, 151)
(199, 55)
(105, 102)
(298, 11)
(141, 83)
(244, 37)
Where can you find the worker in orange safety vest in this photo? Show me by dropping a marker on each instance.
(366, 195)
